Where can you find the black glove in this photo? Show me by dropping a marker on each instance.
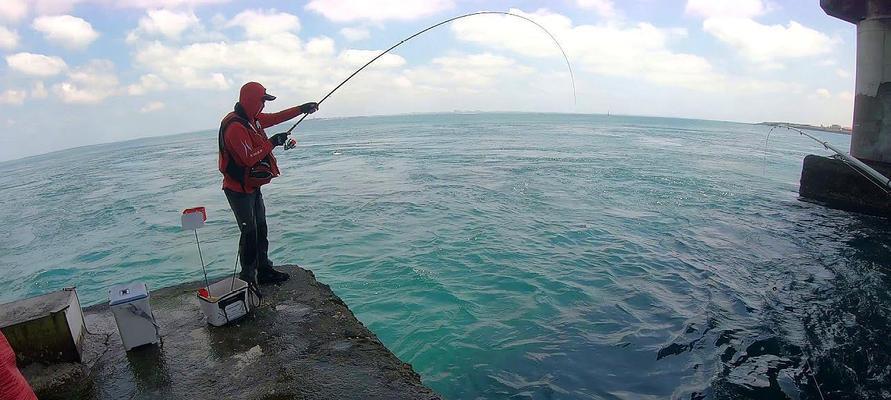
(279, 139)
(309, 108)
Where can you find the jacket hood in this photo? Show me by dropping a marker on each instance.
(251, 99)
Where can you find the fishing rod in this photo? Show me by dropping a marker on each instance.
(571, 77)
(876, 177)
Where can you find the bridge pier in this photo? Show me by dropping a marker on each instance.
(871, 136)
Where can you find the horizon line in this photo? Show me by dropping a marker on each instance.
(379, 116)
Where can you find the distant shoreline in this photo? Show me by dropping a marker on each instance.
(832, 129)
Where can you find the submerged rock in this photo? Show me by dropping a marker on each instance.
(301, 343)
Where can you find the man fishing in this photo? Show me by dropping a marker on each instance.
(247, 163)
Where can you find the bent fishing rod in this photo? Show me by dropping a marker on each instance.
(554, 39)
(876, 177)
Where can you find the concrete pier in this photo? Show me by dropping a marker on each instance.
(831, 182)
(301, 343)
(871, 136)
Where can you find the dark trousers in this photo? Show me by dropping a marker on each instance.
(250, 213)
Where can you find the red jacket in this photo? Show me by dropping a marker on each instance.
(245, 146)
(13, 385)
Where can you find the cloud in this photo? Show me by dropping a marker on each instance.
(768, 45)
(638, 51)
(147, 83)
(847, 97)
(469, 71)
(281, 57)
(195, 66)
(55, 7)
(13, 10)
(357, 58)
(726, 8)
(466, 79)
(320, 46)
(151, 107)
(501, 31)
(842, 73)
(355, 34)
(264, 23)
(8, 39)
(165, 23)
(282, 61)
(377, 11)
(187, 4)
(13, 96)
(36, 64)
(66, 30)
(88, 84)
(605, 8)
(39, 90)
(823, 93)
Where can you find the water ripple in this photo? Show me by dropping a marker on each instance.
(507, 255)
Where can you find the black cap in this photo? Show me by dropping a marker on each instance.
(268, 97)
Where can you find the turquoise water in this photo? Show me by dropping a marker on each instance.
(507, 255)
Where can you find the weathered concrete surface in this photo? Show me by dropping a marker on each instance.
(871, 136)
(301, 343)
(835, 184)
(831, 181)
(47, 328)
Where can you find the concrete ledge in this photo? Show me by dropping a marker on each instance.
(855, 11)
(849, 10)
(836, 185)
(301, 343)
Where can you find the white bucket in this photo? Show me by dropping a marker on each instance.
(228, 302)
(130, 305)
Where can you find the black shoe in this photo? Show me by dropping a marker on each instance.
(252, 282)
(268, 275)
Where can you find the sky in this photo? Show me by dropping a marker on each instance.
(81, 72)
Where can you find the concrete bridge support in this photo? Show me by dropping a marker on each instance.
(872, 105)
(871, 137)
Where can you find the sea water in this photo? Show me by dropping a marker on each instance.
(506, 255)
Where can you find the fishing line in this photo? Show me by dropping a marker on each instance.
(251, 287)
(882, 182)
(565, 57)
(813, 376)
(764, 169)
(807, 356)
(875, 177)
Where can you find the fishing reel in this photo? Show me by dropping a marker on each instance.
(290, 144)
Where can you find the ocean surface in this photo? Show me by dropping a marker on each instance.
(522, 256)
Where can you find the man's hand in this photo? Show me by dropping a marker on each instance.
(279, 139)
(309, 108)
